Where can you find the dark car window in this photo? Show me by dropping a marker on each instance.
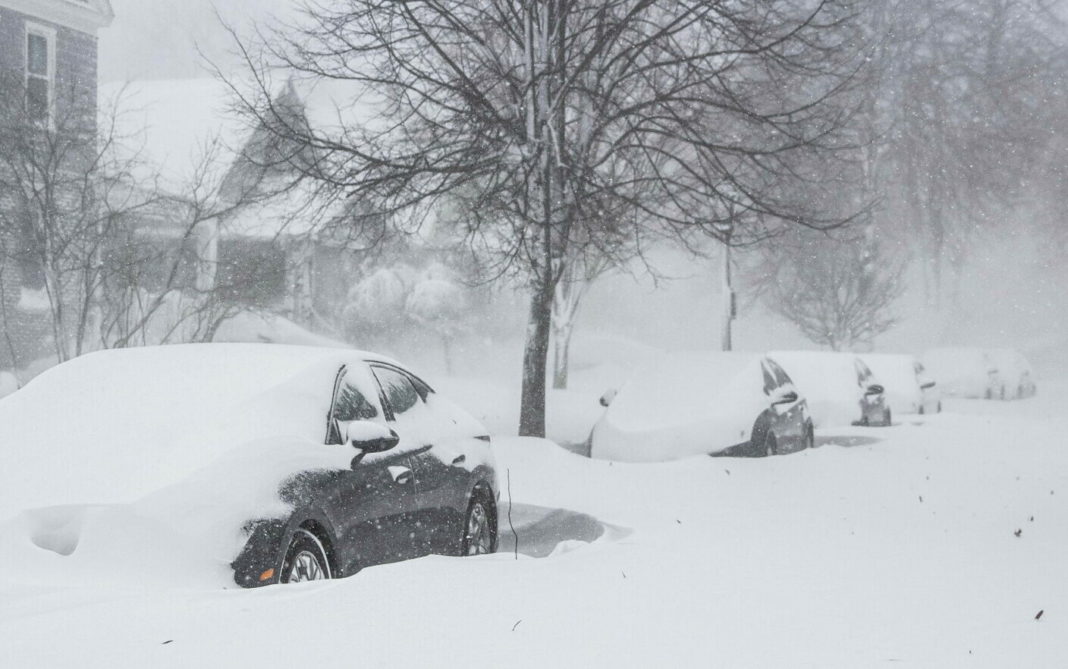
(781, 377)
(769, 379)
(398, 390)
(350, 404)
(863, 373)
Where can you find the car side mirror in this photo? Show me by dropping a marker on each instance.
(608, 396)
(370, 437)
(788, 397)
(927, 385)
(874, 389)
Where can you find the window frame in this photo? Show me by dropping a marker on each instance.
(47, 33)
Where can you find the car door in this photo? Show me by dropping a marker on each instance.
(438, 461)
(374, 515)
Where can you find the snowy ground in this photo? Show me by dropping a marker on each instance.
(932, 543)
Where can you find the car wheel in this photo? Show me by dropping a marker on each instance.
(810, 438)
(480, 536)
(305, 560)
(887, 418)
(939, 410)
(771, 445)
(921, 412)
(989, 394)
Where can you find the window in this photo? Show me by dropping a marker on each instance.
(40, 71)
(350, 404)
(863, 373)
(398, 389)
(781, 377)
(769, 379)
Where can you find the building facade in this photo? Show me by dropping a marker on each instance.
(48, 82)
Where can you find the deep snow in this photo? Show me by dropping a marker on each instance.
(883, 546)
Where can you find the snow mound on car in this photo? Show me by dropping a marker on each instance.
(828, 381)
(897, 374)
(682, 404)
(115, 425)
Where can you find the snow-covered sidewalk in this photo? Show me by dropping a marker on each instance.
(933, 543)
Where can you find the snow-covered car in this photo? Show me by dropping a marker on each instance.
(840, 388)
(283, 463)
(968, 372)
(695, 403)
(906, 386)
(1014, 374)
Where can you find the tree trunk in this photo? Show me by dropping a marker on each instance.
(446, 349)
(535, 359)
(561, 355)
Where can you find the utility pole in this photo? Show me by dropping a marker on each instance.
(725, 229)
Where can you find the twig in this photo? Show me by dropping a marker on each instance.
(514, 533)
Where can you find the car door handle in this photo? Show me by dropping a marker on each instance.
(459, 459)
(401, 475)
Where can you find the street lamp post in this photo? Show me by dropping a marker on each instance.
(725, 229)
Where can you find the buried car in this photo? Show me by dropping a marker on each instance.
(283, 463)
(695, 403)
(840, 388)
(907, 387)
(1014, 374)
(967, 372)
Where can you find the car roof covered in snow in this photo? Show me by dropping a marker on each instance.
(112, 425)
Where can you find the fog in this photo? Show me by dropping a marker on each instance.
(1004, 291)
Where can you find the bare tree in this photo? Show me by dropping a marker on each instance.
(92, 243)
(578, 275)
(534, 119)
(838, 290)
(958, 109)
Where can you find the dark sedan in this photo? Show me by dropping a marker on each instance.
(286, 463)
(405, 495)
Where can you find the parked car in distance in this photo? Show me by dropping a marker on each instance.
(287, 463)
(968, 372)
(840, 388)
(1014, 374)
(906, 386)
(703, 402)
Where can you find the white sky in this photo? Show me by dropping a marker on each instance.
(158, 39)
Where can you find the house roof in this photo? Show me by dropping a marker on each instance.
(83, 15)
(186, 134)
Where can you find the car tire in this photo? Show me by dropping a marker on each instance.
(939, 409)
(888, 418)
(480, 527)
(771, 445)
(306, 560)
(810, 438)
(921, 411)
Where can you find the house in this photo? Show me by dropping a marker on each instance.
(275, 244)
(48, 72)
